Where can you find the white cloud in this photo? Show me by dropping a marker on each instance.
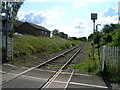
(108, 20)
(98, 1)
(79, 29)
(21, 14)
(44, 18)
(72, 1)
(102, 1)
(109, 12)
(32, 16)
(85, 27)
(55, 13)
(108, 17)
(82, 3)
(79, 4)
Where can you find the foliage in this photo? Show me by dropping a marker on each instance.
(82, 39)
(90, 37)
(73, 38)
(116, 38)
(109, 28)
(109, 35)
(107, 38)
(113, 38)
(13, 8)
(55, 32)
(97, 39)
(28, 46)
(111, 74)
(89, 65)
(59, 34)
(106, 29)
(63, 35)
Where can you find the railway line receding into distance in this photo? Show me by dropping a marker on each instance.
(62, 60)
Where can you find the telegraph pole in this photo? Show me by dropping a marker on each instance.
(6, 27)
(93, 17)
(6, 45)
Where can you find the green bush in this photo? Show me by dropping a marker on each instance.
(28, 46)
(89, 65)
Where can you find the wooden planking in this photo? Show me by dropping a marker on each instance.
(110, 55)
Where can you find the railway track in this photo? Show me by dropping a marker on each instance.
(50, 80)
(66, 58)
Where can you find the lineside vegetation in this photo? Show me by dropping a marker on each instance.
(26, 46)
(90, 65)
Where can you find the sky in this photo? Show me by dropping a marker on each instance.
(72, 17)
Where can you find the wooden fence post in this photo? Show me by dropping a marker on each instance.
(111, 55)
(103, 57)
(118, 60)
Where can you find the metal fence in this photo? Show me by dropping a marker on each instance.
(111, 57)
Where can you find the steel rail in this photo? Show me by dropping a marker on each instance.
(50, 80)
(39, 65)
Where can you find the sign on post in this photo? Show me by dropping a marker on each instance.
(93, 16)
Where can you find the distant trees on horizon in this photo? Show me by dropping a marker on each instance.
(56, 32)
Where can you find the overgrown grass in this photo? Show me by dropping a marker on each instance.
(30, 46)
(89, 65)
(112, 74)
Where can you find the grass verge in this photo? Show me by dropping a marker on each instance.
(27, 47)
(89, 65)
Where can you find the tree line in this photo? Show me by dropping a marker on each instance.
(109, 35)
(56, 32)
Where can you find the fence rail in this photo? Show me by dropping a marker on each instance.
(111, 56)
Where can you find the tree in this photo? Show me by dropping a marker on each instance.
(11, 8)
(55, 32)
(97, 39)
(90, 37)
(63, 35)
(106, 29)
(82, 39)
(73, 38)
(107, 38)
(109, 28)
(113, 26)
(116, 38)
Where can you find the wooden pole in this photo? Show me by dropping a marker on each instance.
(103, 57)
